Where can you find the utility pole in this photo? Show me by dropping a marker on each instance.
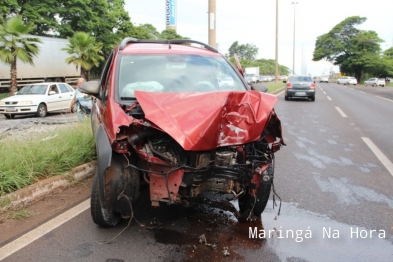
(212, 23)
(294, 20)
(276, 76)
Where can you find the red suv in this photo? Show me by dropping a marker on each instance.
(162, 119)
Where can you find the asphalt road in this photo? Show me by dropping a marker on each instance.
(333, 178)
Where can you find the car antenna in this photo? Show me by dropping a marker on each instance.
(169, 43)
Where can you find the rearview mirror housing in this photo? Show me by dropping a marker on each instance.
(91, 88)
(259, 87)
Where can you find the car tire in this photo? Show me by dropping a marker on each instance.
(374, 85)
(286, 98)
(41, 110)
(312, 98)
(246, 203)
(111, 219)
(9, 116)
(74, 108)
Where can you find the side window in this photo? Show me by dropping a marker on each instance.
(105, 79)
(63, 88)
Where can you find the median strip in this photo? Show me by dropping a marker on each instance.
(341, 112)
(379, 154)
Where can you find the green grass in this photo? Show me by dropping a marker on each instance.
(25, 161)
(21, 214)
(273, 86)
(4, 95)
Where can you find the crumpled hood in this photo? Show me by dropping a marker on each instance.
(205, 121)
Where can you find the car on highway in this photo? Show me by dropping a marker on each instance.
(300, 86)
(38, 99)
(265, 78)
(161, 119)
(347, 80)
(375, 82)
(324, 79)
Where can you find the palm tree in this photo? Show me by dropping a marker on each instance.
(85, 52)
(16, 45)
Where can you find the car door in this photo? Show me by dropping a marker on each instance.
(67, 95)
(53, 101)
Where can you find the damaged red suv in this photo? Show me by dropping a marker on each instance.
(163, 118)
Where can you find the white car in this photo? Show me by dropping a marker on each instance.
(38, 99)
(347, 80)
(375, 82)
(323, 79)
(227, 81)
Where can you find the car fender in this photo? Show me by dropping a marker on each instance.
(104, 156)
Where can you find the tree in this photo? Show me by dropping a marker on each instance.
(15, 45)
(170, 34)
(85, 52)
(247, 51)
(354, 50)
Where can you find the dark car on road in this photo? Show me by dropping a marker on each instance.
(300, 86)
(162, 120)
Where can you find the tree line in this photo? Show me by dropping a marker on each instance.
(357, 52)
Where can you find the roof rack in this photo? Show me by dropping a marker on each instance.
(128, 40)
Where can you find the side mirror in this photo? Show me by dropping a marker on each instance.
(259, 87)
(52, 93)
(91, 88)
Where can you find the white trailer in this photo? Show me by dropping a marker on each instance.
(252, 72)
(49, 65)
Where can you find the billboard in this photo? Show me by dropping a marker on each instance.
(170, 8)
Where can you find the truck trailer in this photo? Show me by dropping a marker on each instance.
(252, 72)
(49, 65)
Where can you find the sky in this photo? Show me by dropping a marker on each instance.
(254, 22)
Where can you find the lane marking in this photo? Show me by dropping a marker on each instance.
(384, 98)
(329, 98)
(381, 156)
(324, 92)
(352, 88)
(341, 112)
(362, 92)
(280, 93)
(40, 231)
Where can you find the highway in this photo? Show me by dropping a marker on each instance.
(334, 177)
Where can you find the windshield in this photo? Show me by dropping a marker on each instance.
(300, 79)
(176, 73)
(33, 90)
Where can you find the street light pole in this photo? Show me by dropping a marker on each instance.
(294, 20)
(212, 23)
(276, 76)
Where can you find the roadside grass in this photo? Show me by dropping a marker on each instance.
(274, 86)
(26, 161)
(21, 214)
(4, 95)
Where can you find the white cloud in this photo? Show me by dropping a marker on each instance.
(254, 21)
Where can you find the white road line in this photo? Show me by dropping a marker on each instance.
(362, 92)
(384, 98)
(341, 112)
(280, 93)
(329, 98)
(381, 156)
(324, 92)
(352, 88)
(40, 231)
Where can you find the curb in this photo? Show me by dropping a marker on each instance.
(25, 196)
(277, 91)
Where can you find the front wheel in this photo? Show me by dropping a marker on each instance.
(256, 204)
(41, 110)
(110, 219)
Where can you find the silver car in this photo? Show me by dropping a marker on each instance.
(347, 80)
(300, 86)
(375, 82)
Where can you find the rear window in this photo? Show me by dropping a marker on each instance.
(300, 79)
